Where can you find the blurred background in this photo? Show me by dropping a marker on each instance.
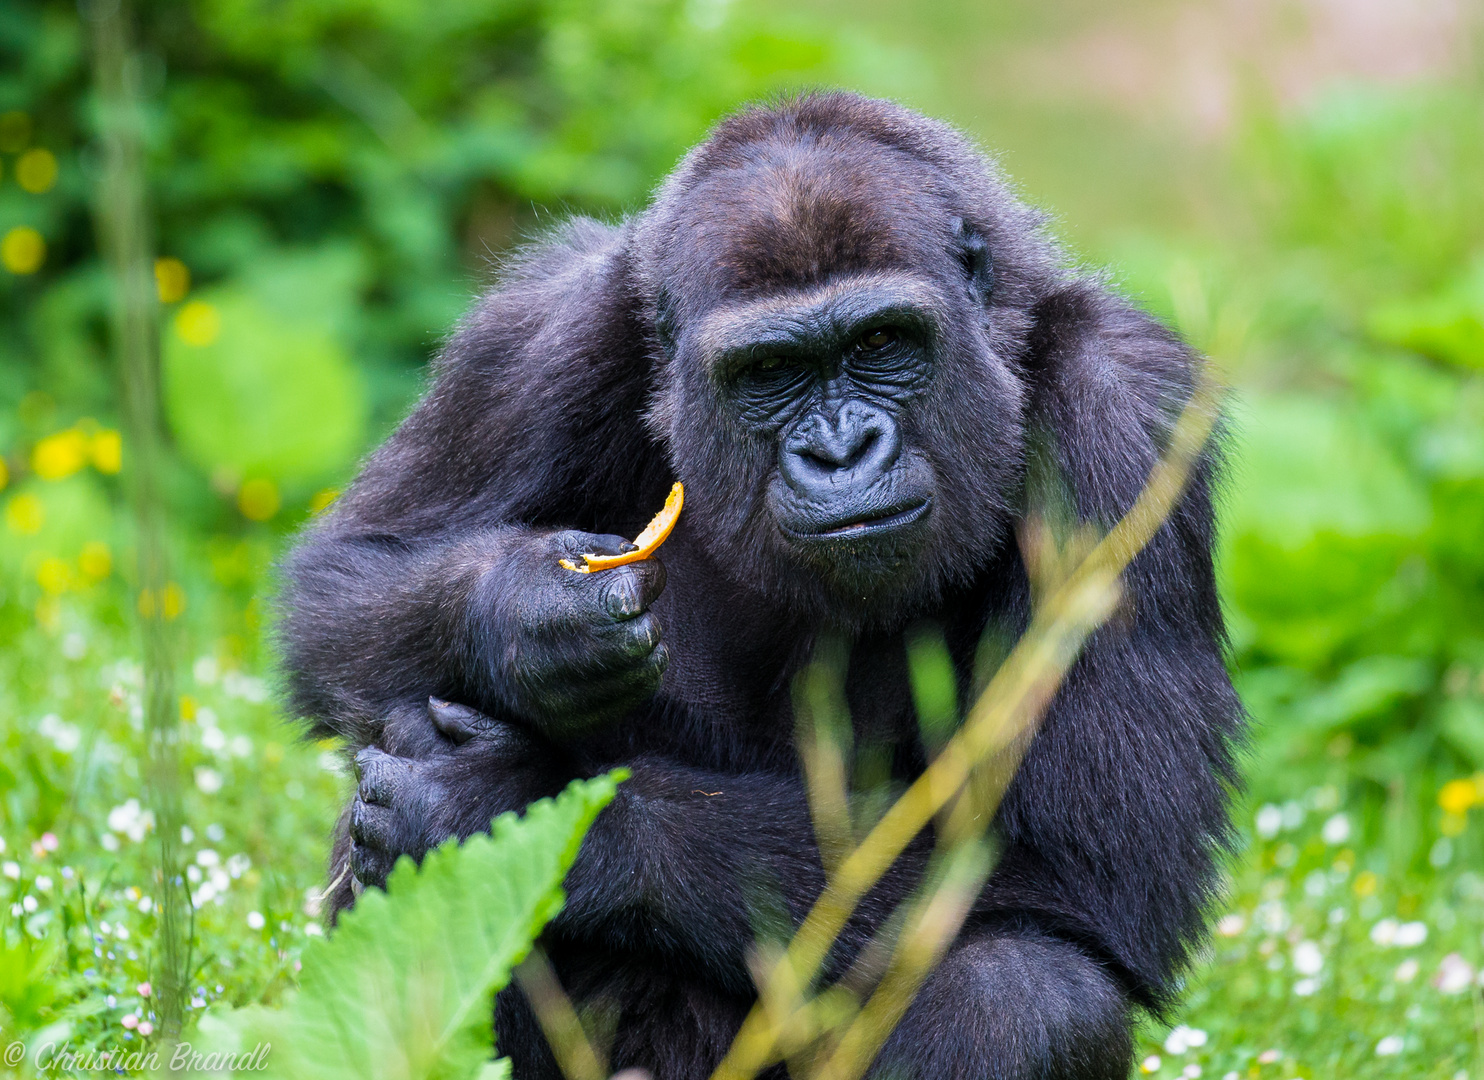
(1298, 185)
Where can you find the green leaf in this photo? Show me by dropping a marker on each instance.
(404, 988)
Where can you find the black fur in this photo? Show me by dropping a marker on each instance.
(594, 375)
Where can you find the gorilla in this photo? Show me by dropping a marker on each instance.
(837, 326)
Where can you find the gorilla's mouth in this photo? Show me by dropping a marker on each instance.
(869, 526)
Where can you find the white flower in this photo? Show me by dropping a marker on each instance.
(206, 670)
(208, 780)
(1407, 970)
(1384, 932)
(314, 929)
(1191, 1072)
(207, 857)
(1150, 1064)
(213, 739)
(131, 819)
(1307, 958)
(241, 746)
(145, 905)
(64, 736)
(1455, 974)
(44, 883)
(11, 869)
(1175, 1040)
(238, 864)
(1231, 925)
(1389, 1046)
(245, 687)
(1306, 987)
(255, 920)
(1336, 830)
(1269, 821)
(1409, 934)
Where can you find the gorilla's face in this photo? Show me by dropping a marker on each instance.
(836, 395)
(828, 380)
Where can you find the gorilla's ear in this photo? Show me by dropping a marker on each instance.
(972, 252)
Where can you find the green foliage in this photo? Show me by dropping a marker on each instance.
(340, 176)
(1351, 561)
(404, 988)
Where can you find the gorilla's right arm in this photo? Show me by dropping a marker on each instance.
(436, 576)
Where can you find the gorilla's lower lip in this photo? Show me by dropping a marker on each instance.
(884, 523)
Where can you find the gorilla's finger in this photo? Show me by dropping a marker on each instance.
(370, 865)
(632, 640)
(374, 826)
(629, 590)
(459, 722)
(381, 776)
(576, 543)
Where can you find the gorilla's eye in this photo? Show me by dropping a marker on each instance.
(769, 364)
(878, 338)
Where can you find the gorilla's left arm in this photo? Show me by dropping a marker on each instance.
(1114, 825)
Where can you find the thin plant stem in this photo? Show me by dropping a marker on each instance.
(122, 214)
(558, 1018)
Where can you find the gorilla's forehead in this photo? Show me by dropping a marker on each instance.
(792, 213)
(835, 311)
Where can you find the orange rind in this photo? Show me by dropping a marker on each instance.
(645, 544)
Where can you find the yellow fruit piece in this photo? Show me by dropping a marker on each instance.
(646, 543)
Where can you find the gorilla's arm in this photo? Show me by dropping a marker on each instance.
(1117, 818)
(1113, 827)
(417, 582)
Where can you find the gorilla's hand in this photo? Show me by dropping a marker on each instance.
(407, 806)
(574, 650)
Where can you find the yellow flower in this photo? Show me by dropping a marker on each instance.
(1366, 882)
(198, 323)
(172, 279)
(54, 576)
(58, 456)
(36, 171)
(258, 499)
(23, 250)
(108, 451)
(96, 561)
(25, 514)
(173, 602)
(1458, 796)
(322, 500)
(187, 708)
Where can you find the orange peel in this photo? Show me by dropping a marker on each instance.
(645, 544)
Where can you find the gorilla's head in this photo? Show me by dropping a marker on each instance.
(841, 295)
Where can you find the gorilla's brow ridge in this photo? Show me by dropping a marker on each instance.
(836, 309)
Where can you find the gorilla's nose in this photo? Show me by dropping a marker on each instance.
(853, 448)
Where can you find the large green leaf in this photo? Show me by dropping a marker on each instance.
(403, 990)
